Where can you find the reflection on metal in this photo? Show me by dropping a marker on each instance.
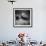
(44, 44)
(21, 41)
(12, 42)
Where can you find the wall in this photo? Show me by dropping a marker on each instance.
(37, 32)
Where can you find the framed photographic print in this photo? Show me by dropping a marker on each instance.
(22, 17)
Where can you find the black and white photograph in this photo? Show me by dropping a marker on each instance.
(22, 17)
